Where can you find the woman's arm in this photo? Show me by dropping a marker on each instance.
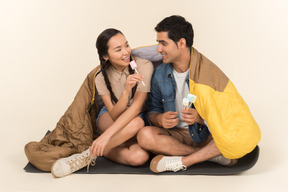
(117, 109)
(129, 114)
(100, 143)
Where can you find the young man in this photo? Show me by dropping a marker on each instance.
(183, 134)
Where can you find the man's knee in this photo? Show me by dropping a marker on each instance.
(146, 137)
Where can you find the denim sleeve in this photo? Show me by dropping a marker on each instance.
(154, 103)
(198, 132)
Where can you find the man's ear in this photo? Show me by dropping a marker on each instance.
(182, 43)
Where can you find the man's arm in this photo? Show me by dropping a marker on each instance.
(155, 108)
(166, 120)
(155, 119)
(154, 103)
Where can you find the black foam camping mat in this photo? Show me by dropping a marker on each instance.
(105, 166)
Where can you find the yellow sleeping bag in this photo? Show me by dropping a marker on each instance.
(229, 119)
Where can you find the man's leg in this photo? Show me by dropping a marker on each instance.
(209, 152)
(159, 141)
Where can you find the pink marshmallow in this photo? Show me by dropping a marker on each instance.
(133, 65)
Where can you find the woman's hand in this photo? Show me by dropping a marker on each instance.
(132, 80)
(98, 145)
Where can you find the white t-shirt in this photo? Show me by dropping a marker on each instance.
(182, 90)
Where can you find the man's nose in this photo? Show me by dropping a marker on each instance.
(159, 48)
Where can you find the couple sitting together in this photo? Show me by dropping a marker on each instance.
(143, 111)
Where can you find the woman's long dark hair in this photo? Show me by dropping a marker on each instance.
(102, 48)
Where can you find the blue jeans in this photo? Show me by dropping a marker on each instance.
(103, 110)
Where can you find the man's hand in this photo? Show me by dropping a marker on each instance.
(190, 116)
(168, 119)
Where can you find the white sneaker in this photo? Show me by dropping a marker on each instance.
(162, 163)
(223, 161)
(68, 165)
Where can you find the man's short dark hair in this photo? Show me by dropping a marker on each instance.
(177, 28)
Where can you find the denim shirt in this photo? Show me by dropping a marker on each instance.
(162, 99)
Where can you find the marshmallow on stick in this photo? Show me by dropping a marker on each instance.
(185, 103)
(134, 67)
(191, 98)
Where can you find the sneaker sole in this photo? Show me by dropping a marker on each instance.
(233, 162)
(53, 172)
(154, 163)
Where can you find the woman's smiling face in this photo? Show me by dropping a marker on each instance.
(119, 52)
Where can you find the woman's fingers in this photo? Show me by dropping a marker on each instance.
(135, 78)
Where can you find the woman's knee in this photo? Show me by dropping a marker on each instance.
(135, 125)
(138, 156)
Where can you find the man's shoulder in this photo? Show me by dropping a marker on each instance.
(162, 68)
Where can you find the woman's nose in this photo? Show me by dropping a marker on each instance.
(125, 51)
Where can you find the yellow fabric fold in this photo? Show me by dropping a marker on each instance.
(229, 119)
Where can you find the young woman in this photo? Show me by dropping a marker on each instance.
(123, 93)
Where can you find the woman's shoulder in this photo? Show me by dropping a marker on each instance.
(143, 63)
(140, 61)
(99, 76)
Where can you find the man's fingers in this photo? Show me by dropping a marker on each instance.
(189, 121)
(172, 122)
(170, 115)
(188, 116)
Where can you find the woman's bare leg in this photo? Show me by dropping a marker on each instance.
(119, 149)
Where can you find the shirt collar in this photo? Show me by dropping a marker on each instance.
(169, 69)
(126, 70)
(170, 72)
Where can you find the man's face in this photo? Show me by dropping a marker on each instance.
(167, 48)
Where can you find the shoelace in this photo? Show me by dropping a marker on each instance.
(91, 162)
(175, 165)
(81, 162)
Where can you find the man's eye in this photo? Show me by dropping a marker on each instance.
(118, 50)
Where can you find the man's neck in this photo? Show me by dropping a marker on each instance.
(183, 63)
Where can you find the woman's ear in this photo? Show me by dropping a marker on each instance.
(105, 57)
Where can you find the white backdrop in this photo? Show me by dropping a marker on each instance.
(47, 47)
